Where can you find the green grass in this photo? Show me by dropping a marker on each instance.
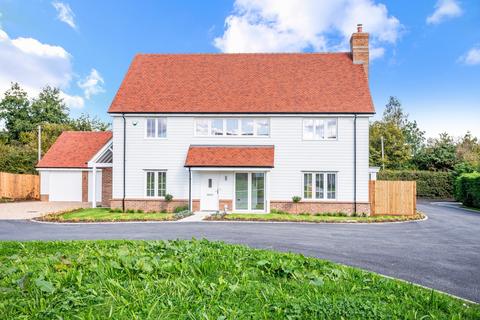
(311, 218)
(104, 214)
(200, 280)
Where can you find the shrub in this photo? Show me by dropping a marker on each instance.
(430, 184)
(168, 197)
(163, 211)
(130, 211)
(467, 189)
(180, 208)
(182, 214)
(139, 211)
(296, 199)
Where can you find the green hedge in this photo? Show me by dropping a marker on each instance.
(467, 189)
(430, 184)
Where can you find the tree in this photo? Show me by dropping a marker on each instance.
(49, 107)
(86, 123)
(438, 155)
(15, 112)
(468, 150)
(50, 133)
(17, 158)
(394, 113)
(397, 151)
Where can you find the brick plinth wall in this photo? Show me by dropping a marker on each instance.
(223, 202)
(106, 187)
(195, 205)
(148, 205)
(319, 207)
(84, 186)
(44, 197)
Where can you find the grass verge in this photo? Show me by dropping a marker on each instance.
(200, 280)
(104, 215)
(279, 217)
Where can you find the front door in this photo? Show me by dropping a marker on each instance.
(209, 192)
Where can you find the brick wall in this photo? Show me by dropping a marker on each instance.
(106, 187)
(84, 186)
(148, 205)
(227, 202)
(319, 207)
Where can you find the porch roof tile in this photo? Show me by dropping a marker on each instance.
(230, 156)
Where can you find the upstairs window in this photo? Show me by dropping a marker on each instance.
(232, 127)
(156, 128)
(320, 185)
(320, 129)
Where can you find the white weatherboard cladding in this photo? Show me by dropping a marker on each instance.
(98, 186)
(44, 182)
(292, 156)
(65, 185)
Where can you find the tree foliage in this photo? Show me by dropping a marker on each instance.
(438, 155)
(21, 116)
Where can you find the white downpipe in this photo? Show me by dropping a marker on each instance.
(94, 187)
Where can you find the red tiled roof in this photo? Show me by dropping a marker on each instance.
(73, 149)
(244, 83)
(230, 156)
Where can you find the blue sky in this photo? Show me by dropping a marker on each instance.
(426, 53)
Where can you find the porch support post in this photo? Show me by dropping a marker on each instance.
(190, 203)
(267, 191)
(94, 187)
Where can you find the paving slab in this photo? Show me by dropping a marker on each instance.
(33, 209)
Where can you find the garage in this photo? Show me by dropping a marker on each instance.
(78, 168)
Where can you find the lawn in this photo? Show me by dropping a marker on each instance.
(310, 218)
(104, 214)
(200, 280)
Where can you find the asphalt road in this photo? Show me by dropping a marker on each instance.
(442, 252)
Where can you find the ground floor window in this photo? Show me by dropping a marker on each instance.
(250, 191)
(156, 183)
(319, 185)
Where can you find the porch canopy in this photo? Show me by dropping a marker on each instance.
(230, 156)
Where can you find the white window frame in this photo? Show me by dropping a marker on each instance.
(325, 129)
(156, 137)
(239, 129)
(155, 183)
(314, 185)
(249, 192)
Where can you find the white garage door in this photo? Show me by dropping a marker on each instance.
(65, 186)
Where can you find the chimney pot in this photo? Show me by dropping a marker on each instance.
(359, 27)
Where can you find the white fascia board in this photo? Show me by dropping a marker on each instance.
(97, 155)
(230, 169)
(244, 115)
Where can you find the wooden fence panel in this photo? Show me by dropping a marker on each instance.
(19, 186)
(393, 197)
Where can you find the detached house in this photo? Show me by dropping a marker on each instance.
(242, 132)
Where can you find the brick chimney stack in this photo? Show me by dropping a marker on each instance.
(359, 48)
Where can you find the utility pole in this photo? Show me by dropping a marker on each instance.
(383, 154)
(39, 142)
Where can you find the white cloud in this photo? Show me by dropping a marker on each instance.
(34, 65)
(444, 9)
(65, 13)
(92, 84)
(472, 57)
(293, 25)
(74, 102)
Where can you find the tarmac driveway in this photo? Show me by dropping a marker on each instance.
(442, 252)
(31, 209)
